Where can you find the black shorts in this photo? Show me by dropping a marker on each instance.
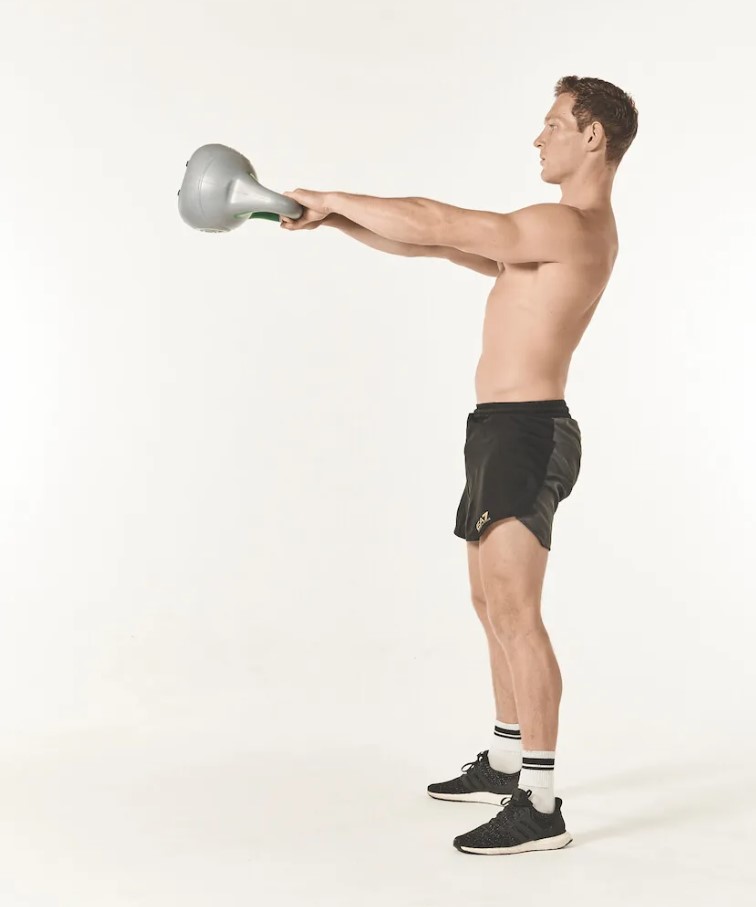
(521, 460)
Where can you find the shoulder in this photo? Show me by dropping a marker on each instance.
(563, 228)
(550, 213)
(543, 232)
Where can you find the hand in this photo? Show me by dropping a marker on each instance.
(315, 210)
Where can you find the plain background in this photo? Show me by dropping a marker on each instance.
(237, 641)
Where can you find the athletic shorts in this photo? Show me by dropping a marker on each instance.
(521, 460)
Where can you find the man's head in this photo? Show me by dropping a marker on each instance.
(591, 124)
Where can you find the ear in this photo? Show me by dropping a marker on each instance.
(595, 132)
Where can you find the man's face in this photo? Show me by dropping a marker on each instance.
(560, 143)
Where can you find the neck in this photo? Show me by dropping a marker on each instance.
(588, 190)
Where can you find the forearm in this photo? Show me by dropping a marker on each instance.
(409, 220)
(363, 235)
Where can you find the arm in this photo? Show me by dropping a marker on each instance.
(395, 247)
(363, 235)
(546, 232)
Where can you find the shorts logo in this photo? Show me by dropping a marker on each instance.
(484, 519)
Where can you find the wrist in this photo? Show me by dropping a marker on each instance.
(331, 202)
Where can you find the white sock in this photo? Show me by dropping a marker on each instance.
(505, 751)
(537, 775)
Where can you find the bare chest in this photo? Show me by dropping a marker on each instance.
(539, 301)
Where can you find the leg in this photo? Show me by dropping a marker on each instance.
(512, 569)
(506, 708)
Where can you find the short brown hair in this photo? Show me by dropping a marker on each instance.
(596, 99)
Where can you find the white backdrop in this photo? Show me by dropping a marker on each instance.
(237, 641)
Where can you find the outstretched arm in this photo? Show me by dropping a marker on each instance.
(407, 220)
(393, 247)
(545, 232)
(363, 235)
(401, 225)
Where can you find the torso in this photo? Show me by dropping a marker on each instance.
(536, 315)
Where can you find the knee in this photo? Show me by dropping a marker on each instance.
(481, 608)
(513, 617)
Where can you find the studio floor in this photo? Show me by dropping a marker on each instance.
(108, 817)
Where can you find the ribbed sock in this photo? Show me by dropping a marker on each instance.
(505, 751)
(537, 775)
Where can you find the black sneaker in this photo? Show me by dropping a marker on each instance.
(479, 783)
(519, 827)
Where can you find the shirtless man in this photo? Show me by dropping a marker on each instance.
(552, 263)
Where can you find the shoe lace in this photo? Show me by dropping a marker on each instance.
(512, 809)
(476, 763)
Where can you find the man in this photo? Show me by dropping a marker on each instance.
(552, 263)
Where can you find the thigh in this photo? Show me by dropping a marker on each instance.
(512, 566)
(477, 592)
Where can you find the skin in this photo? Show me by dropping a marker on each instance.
(551, 264)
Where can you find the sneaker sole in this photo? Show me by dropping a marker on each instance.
(552, 843)
(478, 796)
